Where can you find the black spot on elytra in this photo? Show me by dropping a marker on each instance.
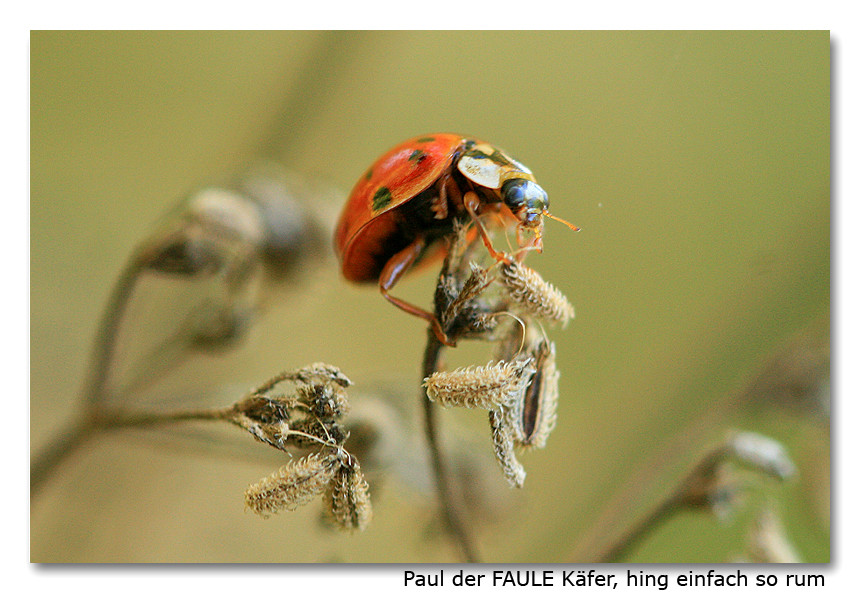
(417, 156)
(381, 198)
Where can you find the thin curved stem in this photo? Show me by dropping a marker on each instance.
(105, 342)
(110, 421)
(73, 438)
(444, 487)
(84, 430)
(81, 431)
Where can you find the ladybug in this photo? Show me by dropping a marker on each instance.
(405, 205)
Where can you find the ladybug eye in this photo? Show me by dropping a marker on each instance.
(526, 199)
(514, 193)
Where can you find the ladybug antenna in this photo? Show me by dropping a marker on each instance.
(572, 227)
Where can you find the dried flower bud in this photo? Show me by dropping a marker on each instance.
(293, 485)
(327, 402)
(763, 453)
(313, 374)
(290, 213)
(488, 386)
(504, 435)
(347, 499)
(215, 230)
(534, 294)
(310, 416)
(265, 409)
(320, 372)
(309, 431)
(462, 313)
(266, 419)
(473, 286)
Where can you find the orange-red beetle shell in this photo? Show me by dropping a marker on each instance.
(369, 218)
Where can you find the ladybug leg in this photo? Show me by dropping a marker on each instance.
(472, 202)
(439, 205)
(393, 271)
(525, 246)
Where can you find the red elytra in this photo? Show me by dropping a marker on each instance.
(405, 204)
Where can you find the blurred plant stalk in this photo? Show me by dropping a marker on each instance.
(238, 242)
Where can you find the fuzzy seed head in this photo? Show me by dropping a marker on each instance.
(310, 431)
(320, 372)
(347, 499)
(535, 295)
(488, 386)
(293, 485)
(504, 437)
(326, 401)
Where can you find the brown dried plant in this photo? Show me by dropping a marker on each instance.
(519, 387)
(238, 239)
(309, 417)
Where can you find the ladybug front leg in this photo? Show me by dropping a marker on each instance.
(394, 270)
(524, 246)
(472, 202)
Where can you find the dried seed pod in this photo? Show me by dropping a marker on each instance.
(537, 414)
(316, 373)
(267, 419)
(504, 436)
(763, 453)
(320, 372)
(310, 431)
(293, 485)
(276, 434)
(534, 294)
(473, 286)
(488, 386)
(214, 231)
(289, 207)
(265, 409)
(347, 499)
(326, 401)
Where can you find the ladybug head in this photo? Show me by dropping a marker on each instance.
(529, 203)
(527, 200)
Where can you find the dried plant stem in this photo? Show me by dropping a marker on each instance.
(444, 487)
(61, 448)
(105, 342)
(663, 510)
(142, 419)
(701, 486)
(95, 382)
(80, 433)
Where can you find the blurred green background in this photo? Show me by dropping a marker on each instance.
(697, 164)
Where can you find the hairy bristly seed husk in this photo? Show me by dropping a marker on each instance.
(488, 386)
(535, 295)
(293, 485)
(347, 498)
(504, 436)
